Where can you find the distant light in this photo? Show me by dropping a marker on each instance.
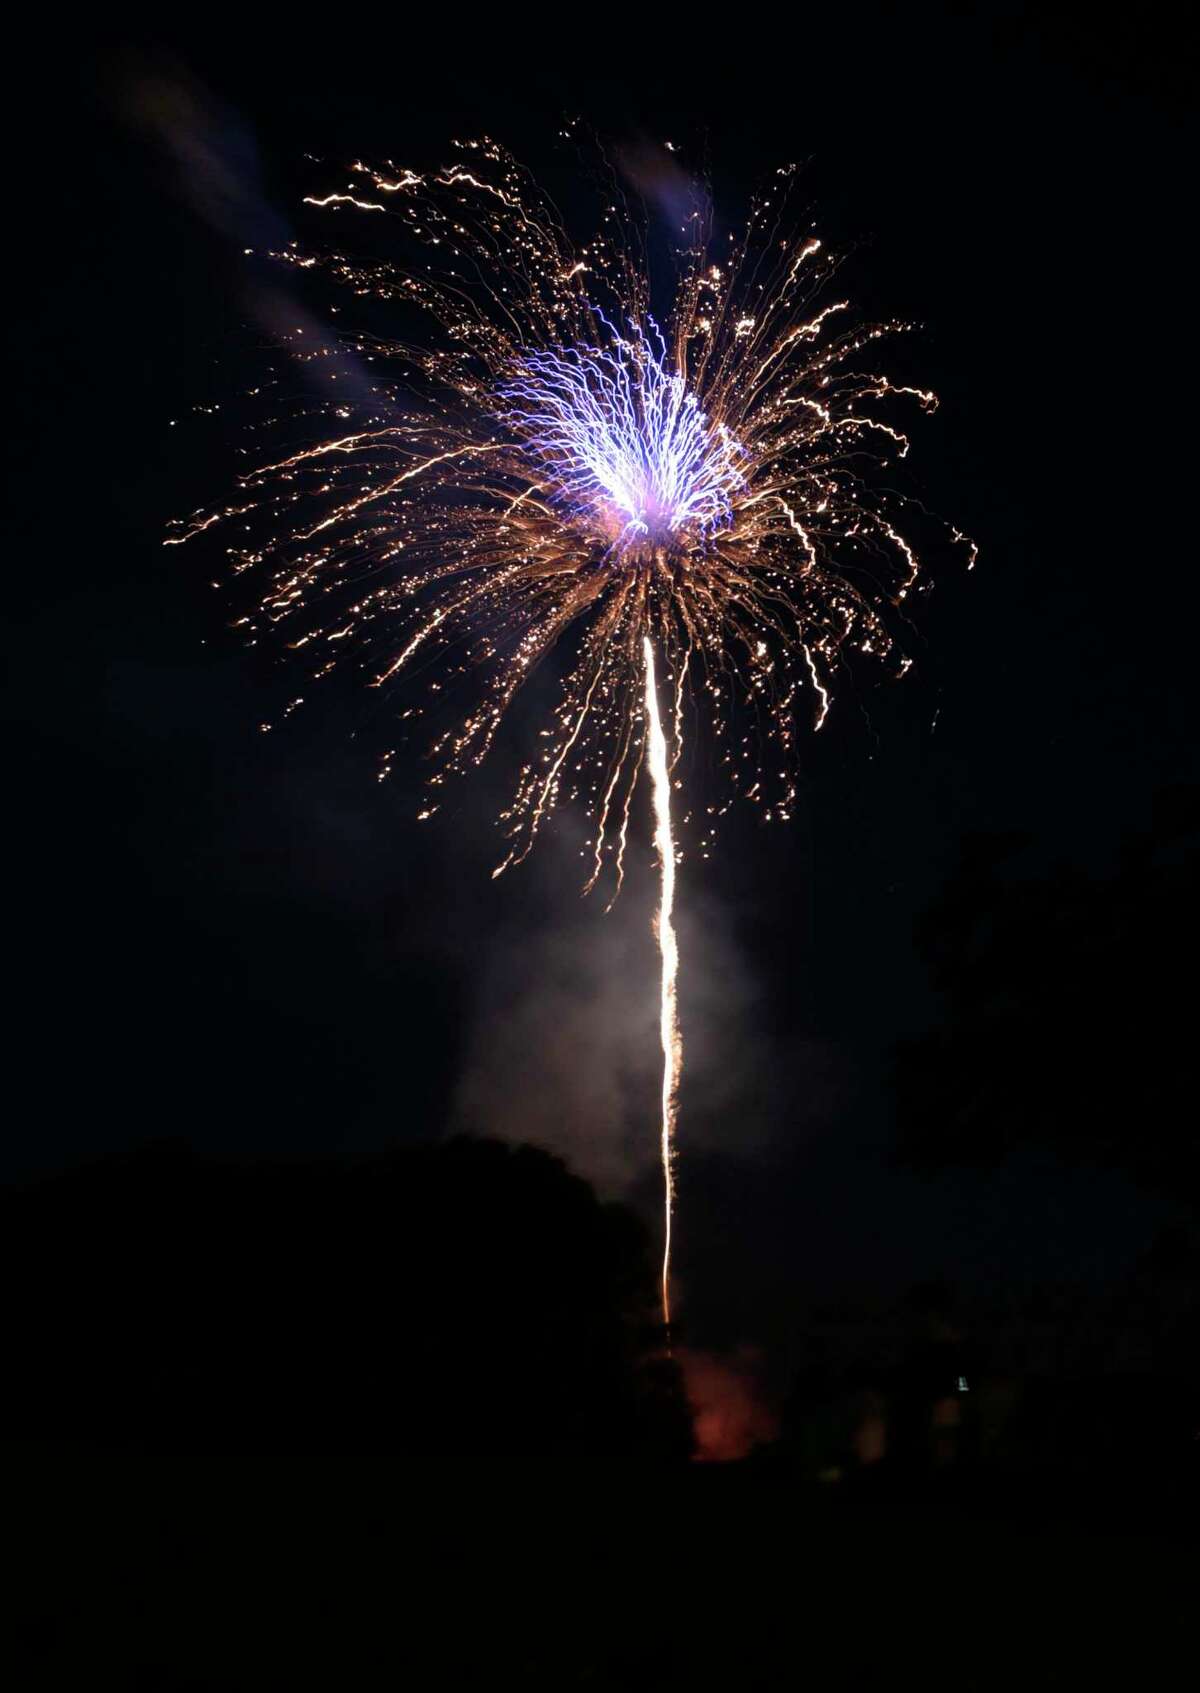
(962, 1385)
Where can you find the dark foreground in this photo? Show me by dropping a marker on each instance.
(161, 1572)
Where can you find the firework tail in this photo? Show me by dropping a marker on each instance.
(664, 926)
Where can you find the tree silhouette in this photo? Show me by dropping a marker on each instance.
(1069, 1008)
(465, 1298)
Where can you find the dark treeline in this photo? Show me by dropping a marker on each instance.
(1065, 1031)
(470, 1298)
(1069, 1008)
(475, 1300)
(1028, 1389)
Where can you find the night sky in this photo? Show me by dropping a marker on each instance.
(243, 941)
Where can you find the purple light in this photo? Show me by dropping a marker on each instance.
(621, 440)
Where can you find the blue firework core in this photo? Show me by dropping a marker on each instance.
(620, 439)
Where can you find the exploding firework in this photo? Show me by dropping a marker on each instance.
(689, 500)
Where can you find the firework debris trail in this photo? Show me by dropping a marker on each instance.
(554, 479)
(672, 1043)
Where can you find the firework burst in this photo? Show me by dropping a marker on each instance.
(690, 500)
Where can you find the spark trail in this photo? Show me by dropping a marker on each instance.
(672, 1043)
(547, 476)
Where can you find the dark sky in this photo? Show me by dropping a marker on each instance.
(241, 939)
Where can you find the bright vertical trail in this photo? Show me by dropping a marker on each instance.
(672, 1044)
